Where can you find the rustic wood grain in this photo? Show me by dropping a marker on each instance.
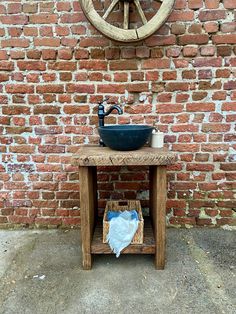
(158, 213)
(88, 158)
(104, 156)
(87, 212)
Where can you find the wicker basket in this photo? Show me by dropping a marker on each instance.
(122, 206)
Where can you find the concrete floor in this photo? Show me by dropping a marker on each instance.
(40, 272)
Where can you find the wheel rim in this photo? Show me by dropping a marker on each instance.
(125, 34)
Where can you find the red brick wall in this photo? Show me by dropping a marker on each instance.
(54, 68)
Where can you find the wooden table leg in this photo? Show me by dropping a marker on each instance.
(88, 195)
(158, 211)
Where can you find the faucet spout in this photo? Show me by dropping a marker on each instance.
(115, 107)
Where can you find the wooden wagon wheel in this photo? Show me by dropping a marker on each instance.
(126, 34)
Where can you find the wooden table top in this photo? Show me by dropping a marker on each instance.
(103, 156)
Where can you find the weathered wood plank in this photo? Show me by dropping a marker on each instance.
(104, 156)
(126, 15)
(87, 212)
(159, 213)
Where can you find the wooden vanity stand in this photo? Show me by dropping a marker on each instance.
(88, 159)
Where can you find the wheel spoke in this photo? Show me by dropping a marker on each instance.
(110, 9)
(126, 15)
(140, 11)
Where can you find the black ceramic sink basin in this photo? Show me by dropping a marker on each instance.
(125, 136)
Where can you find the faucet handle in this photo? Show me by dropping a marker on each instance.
(104, 100)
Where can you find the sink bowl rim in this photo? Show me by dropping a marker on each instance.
(124, 127)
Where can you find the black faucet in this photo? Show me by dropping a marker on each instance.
(102, 114)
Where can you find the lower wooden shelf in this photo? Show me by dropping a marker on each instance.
(148, 246)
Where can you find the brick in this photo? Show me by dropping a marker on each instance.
(30, 31)
(170, 75)
(169, 108)
(17, 55)
(97, 53)
(33, 54)
(128, 53)
(206, 85)
(111, 88)
(182, 15)
(157, 40)
(178, 86)
(62, 65)
(212, 4)
(93, 65)
(177, 29)
(190, 51)
(23, 149)
(211, 27)
(157, 53)
(228, 166)
(224, 39)
(51, 149)
(19, 89)
(4, 77)
(205, 74)
(47, 42)
(208, 51)
(228, 27)
(15, 110)
(80, 88)
(184, 128)
(123, 77)
(173, 52)
(50, 89)
(156, 63)
(14, 8)
(69, 42)
(224, 50)
(230, 85)
(208, 62)
(123, 65)
(14, 19)
(142, 52)
(229, 4)
(214, 147)
(43, 18)
(198, 39)
(23, 43)
(210, 127)
(46, 109)
(94, 42)
(186, 147)
(15, 31)
(30, 7)
(212, 15)
(63, 6)
(6, 66)
(31, 65)
(46, 31)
